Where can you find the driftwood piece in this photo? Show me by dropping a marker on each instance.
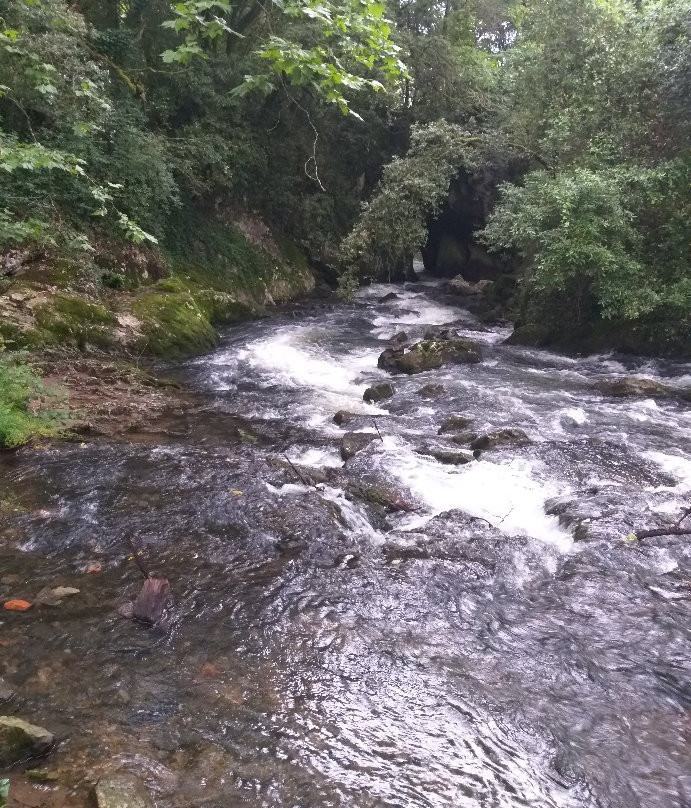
(152, 601)
(662, 531)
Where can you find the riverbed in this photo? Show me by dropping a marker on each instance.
(486, 636)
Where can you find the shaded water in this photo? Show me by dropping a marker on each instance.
(499, 645)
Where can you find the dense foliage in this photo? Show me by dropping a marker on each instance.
(131, 121)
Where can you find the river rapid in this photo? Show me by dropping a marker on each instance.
(496, 643)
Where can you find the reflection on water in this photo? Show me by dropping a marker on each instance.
(495, 643)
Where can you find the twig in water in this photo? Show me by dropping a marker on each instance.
(138, 559)
(376, 426)
(297, 471)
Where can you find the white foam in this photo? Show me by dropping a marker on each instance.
(675, 465)
(506, 494)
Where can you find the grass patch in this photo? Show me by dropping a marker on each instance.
(27, 409)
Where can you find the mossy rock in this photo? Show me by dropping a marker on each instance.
(173, 324)
(20, 741)
(73, 320)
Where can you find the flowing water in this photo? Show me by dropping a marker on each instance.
(496, 643)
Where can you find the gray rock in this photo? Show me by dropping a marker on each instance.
(447, 456)
(20, 741)
(465, 438)
(508, 436)
(378, 392)
(454, 423)
(399, 339)
(54, 596)
(122, 791)
(633, 386)
(388, 298)
(354, 442)
(345, 417)
(431, 391)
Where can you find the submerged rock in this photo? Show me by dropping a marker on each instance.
(378, 392)
(354, 442)
(508, 436)
(465, 438)
(6, 692)
(388, 298)
(399, 339)
(454, 423)
(380, 495)
(54, 596)
(122, 791)
(431, 391)
(447, 456)
(633, 386)
(344, 417)
(429, 355)
(20, 741)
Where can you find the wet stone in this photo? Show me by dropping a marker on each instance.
(344, 417)
(446, 456)
(378, 392)
(431, 391)
(620, 388)
(354, 442)
(388, 298)
(430, 355)
(20, 741)
(454, 423)
(510, 436)
(122, 791)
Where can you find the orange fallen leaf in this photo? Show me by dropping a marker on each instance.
(93, 568)
(17, 605)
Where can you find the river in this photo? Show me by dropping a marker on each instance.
(496, 643)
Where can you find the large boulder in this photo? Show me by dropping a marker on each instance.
(632, 386)
(429, 355)
(354, 442)
(122, 791)
(20, 741)
(508, 436)
(378, 392)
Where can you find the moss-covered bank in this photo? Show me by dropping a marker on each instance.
(167, 303)
(124, 302)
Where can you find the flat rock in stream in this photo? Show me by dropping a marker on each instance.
(633, 386)
(54, 596)
(21, 741)
(508, 436)
(448, 457)
(354, 442)
(122, 791)
(430, 355)
(454, 423)
(431, 391)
